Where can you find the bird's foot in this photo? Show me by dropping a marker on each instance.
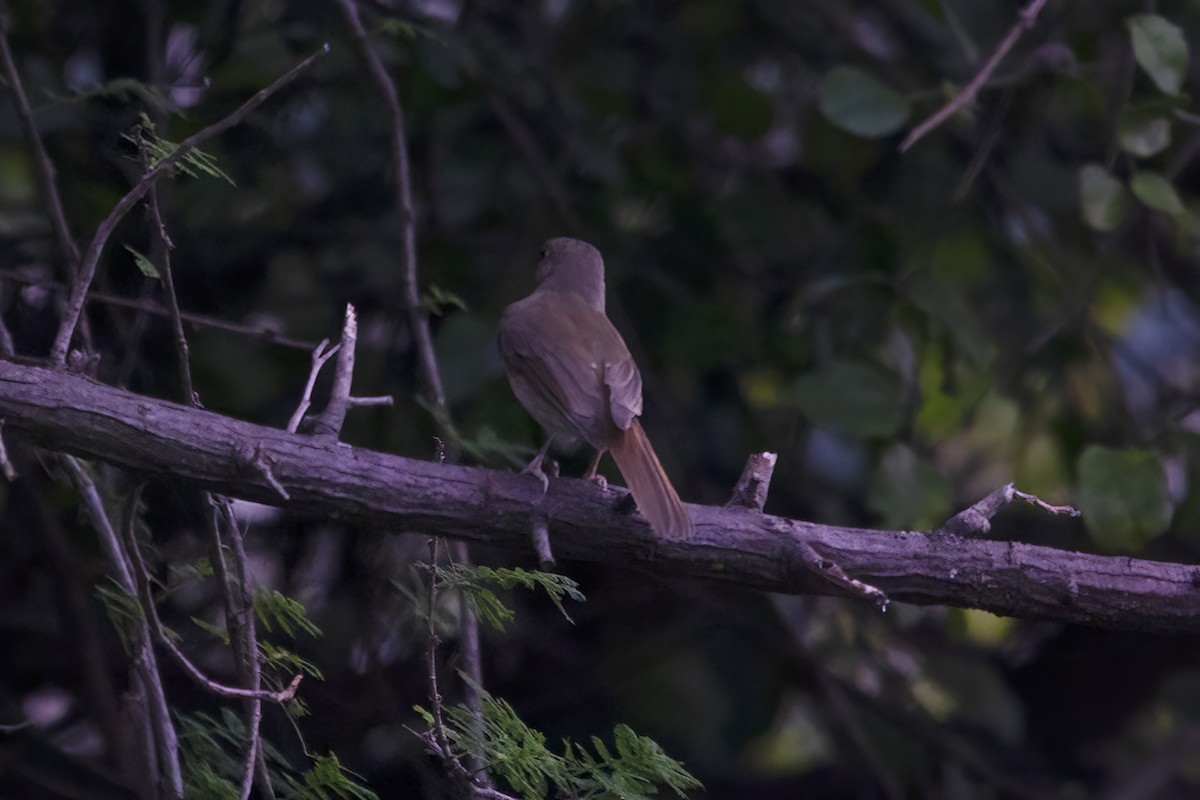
(598, 479)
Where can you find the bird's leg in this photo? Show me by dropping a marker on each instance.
(593, 476)
(534, 467)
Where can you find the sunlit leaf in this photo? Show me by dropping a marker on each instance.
(858, 103)
(1156, 191)
(1143, 133)
(1123, 496)
(1160, 49)
(144, 264)
(1103, 199)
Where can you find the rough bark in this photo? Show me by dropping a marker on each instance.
(68, 412)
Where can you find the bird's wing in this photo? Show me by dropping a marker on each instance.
(569, 367)
(624, 384)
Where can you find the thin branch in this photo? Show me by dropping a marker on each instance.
(151, 610)
(469, 652)
(45, 171)
(6, 466)
(199, 320)
(87, 272)
(145, 664)
(334, 416)
(320, 354)
(255, 762)
(418, 316)
(439, 732)
(1026, 19)
(168, 281)
(527, 145)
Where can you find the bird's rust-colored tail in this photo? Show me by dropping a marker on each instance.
(651, 488)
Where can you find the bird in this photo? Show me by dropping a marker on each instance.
(571, 370)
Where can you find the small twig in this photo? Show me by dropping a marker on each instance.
(1026, 18)
(144, 663)
(257, 458)
(378, 400)
(334, 416)
(418, 316)
(525, 142)
(833, 572)
(976, 520)
(752, 487)
(46, 171)
(87, 271)
(255, 762)
(320, 354)
(540, 532)
(7, 346)
(469, 651)
(168, 282)
(6, 466)
(440, 735)
(199, 320)
(16, 727)
(151, 610)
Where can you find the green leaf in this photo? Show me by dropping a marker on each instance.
(1143, 133)
(1123, 496)
(1160, 49)
(437, 300)
(275, 608)
(851, 397)
(859, 104)
(475, 583)
(144, 264)
(124, 611)
(1156, 192)
(1103, 199)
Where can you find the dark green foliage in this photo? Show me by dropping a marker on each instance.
(475, 583)
(635, 768)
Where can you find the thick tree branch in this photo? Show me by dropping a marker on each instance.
(75, 414)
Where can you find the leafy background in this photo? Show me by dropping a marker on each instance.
(1012, 298)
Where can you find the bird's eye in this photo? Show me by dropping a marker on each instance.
(542, 254)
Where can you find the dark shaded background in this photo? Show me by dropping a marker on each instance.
(908, 332)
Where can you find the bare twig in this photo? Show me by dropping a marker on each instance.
(1026, 19)
(87, 271)
(320, 354)
(145, 664)
(150, 608)
(418, 316)
(334, 416)
(6, 466)
(440, 735)
(7, 346)
(469, 651)
(255, 762)
(199, 320)
(46, 172)
(540, 533)
(377, 400)
(751, 489)
(525, 142)
(976, 520)
(168, 280)
(832, 571)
